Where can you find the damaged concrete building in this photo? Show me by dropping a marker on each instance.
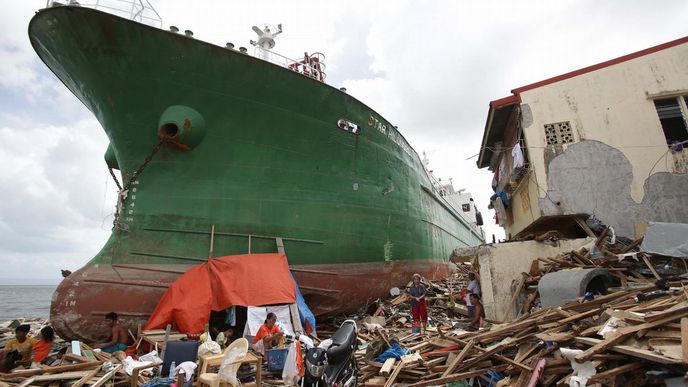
(607, 140)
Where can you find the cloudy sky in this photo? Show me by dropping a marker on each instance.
(429, 67)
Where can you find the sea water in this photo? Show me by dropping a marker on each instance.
(27, 301)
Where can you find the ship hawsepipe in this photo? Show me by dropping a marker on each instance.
(260, 153)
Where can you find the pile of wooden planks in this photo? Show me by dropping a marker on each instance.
(637, 334)
(86, 368)
(81, 365)
(628, 269)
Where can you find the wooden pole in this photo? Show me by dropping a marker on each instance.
(508, 312)
(168, 328)
(212, 242)
(684, 339)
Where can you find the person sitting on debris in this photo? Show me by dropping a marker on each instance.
(269, 334)
(19, 349)
(472, 288)
(224, 336)
(119, 340)
(42, 348)
(419, 309)
(478, 319)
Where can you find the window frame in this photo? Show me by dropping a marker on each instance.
(683, 108)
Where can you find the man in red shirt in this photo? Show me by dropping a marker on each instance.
(268, 334)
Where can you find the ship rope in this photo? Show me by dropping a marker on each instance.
(124, 191)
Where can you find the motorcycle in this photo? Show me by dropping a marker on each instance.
(333, 365)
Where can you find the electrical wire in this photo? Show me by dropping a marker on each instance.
(501, 149)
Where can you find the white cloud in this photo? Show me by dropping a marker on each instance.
(53, 195)
(429, 67)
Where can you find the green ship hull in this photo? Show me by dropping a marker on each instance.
(253, 152)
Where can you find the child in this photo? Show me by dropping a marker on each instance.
(43, 346)
(224, 336)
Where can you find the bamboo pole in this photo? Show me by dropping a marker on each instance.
(212, 242)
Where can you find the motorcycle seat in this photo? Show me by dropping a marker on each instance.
(342, 343)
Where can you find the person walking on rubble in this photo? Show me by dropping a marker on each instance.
(119, 340)
(419, 309)
(472, 288)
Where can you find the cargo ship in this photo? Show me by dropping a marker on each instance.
(221, 153)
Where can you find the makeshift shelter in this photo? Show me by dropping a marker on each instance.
(220, 283)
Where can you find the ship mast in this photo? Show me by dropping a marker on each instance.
(266, 39)
(311, 65)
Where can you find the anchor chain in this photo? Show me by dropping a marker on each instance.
(114, 177)
(123, 191)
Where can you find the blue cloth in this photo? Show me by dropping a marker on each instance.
(115, 347)
(471, 310)
(501, 195)
(505, 199)
(304, 310)
(158, 382)
(395, 351)
(230, 320)
(494, 378)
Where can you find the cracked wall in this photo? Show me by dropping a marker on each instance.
(595, 178)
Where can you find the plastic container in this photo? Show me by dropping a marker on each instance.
(276, 358)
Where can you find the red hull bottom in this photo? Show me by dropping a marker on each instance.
(81, 301)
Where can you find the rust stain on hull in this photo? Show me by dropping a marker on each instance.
(133, 291)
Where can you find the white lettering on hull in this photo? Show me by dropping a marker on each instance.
(391, 133)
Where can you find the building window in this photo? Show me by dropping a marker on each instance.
(466, 207)
(672, 114)
(559, 133)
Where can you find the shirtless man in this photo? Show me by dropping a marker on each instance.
(118, 336)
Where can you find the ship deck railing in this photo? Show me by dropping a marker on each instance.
(302, 68)
(138, 10)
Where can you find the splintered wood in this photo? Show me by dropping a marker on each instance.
(88, 367)
(636, 334)
(94, 369)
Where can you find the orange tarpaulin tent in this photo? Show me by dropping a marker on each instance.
(219, 283)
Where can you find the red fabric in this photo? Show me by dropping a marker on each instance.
(245, 280)
(132, 351)
(41, 350)
(420, 311)
(299, 361)
(264, 331)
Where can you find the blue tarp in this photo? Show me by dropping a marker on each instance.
(395, 351)
(304, 311)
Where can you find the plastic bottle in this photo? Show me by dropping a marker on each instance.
(173, 365)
